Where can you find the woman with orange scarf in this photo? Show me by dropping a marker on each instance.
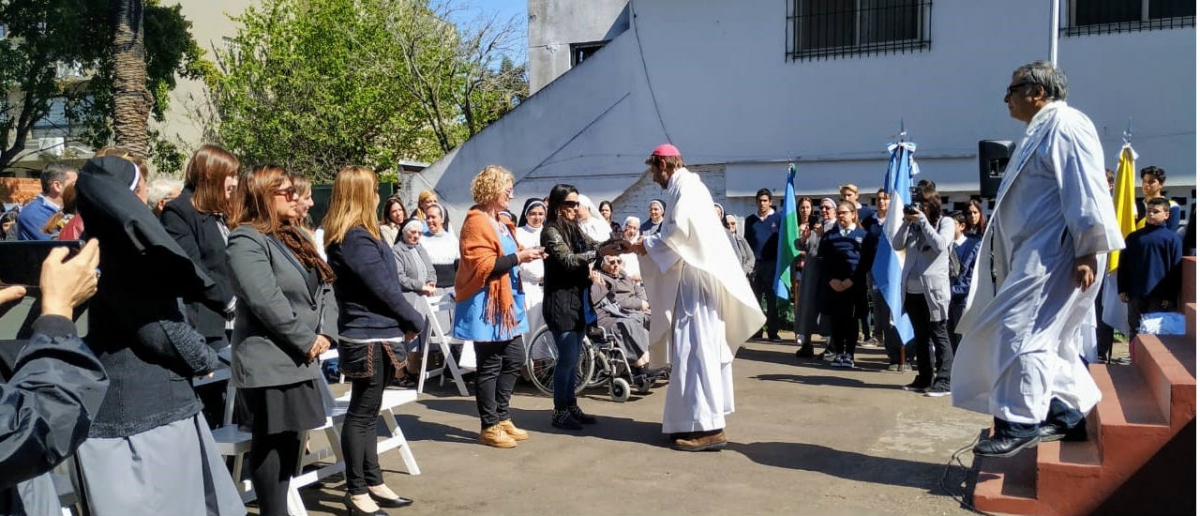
(491, 306)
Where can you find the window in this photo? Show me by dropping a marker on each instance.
(582, 51)
(1105, 16)
(826, 29)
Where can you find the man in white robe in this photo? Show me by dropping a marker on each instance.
(1035, 278)
(702, 308)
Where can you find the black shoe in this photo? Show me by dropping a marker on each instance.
(805, 352)
(757, 336)
(390, 503)
(1049, 432)
(579, 416)
(562, 419)
(355, 511)
(1004, 446)
(774, 338)
(916, 387)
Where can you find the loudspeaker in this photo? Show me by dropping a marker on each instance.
(993, 158)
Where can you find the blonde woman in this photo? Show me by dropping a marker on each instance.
(491, 309)
(374, 323)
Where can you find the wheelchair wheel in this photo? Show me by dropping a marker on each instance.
(600, 370)
(541, 356)
(619, 390)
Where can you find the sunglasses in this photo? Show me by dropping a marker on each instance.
(1013, 89)
(288, 193)
(570, 204)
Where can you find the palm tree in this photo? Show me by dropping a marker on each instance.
(131, 99)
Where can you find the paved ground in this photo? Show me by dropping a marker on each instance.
(806, 439)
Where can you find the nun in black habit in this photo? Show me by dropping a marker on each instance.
(149, 450)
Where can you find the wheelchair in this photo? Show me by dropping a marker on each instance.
(602, 362)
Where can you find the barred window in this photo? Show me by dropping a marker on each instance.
(827, 29)
(1106, 16)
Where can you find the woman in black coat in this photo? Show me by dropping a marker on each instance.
(569, 275)
(197, 221)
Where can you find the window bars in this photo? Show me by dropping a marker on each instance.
(829, 29)
(1088, 17)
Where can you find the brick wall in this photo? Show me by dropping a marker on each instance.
(15, 190)
(637, 197)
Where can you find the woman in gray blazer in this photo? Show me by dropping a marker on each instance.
(279, 331)
(926, 237)
(417, 278)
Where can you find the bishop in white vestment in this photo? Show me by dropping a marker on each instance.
(702, 306)
(1035, 278)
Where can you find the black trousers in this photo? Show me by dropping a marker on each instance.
(935, 356)
(764, 285)
(1104, 332)
(497, 365)
(273, 460)
(843, 314)
(358, 431)
(956, 313)
(862, 309)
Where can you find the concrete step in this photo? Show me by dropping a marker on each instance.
(1008, 485)
(1189, 279)
(1189, 315)
(1168, 365)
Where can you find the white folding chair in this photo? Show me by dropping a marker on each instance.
(440, 312)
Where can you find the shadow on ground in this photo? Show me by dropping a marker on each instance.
(608, 428)
(834, 381)
(855, 466)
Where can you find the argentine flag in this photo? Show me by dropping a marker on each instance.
(889, 263)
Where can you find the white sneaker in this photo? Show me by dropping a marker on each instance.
(847, 362)
(828, 356)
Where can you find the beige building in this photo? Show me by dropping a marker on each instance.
(212, 28)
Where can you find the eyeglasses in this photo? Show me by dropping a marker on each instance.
(825, 208)
(570, 204)
(288, 193)
(1013, 89)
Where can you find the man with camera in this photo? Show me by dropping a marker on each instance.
(54, 387)
(1050, 231)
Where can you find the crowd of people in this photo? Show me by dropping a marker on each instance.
(226, 269)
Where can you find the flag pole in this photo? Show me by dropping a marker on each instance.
(1054, 33)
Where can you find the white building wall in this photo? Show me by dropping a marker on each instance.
(712, 78)
(555, 24)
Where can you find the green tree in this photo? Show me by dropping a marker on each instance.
(318, 85)
(45, 36)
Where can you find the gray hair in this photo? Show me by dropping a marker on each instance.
(56, 171)
(1046, 75)
(636, 221)
(160, 187)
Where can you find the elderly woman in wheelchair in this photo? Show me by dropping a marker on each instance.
(622, 313)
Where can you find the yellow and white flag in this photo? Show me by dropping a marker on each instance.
(1124, 199)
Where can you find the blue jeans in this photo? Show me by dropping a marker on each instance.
(566, 367)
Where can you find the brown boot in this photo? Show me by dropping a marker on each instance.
(516, 433)
(496, 437)
(702, 441)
